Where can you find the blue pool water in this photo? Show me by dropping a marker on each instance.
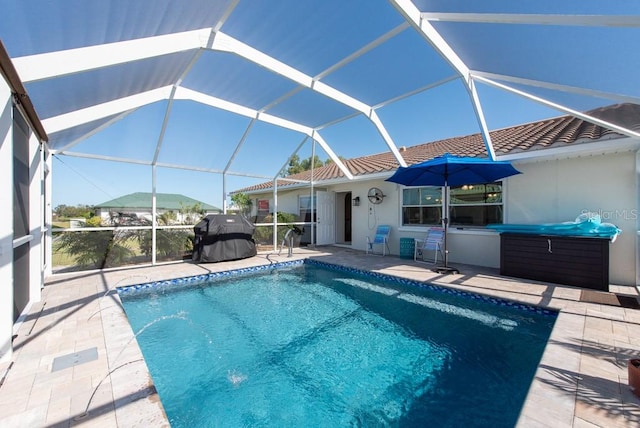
(315, 346)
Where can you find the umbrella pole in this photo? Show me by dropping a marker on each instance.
(445, 269)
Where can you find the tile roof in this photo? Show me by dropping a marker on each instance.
(560, 131)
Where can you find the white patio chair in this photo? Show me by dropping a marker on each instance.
(432, 242)
(380, 238)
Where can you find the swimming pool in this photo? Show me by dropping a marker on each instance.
(320, 345)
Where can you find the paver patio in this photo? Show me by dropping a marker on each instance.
(581, 380)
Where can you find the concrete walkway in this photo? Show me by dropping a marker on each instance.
(76, 361)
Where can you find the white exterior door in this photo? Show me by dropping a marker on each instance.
(325, 218)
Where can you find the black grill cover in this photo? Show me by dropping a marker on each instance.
(220, 237)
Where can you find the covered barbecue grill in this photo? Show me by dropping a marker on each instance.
(220, 237)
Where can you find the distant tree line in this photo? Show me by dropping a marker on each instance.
(77, 211)
(296, 165)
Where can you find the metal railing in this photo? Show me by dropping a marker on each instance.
(88, 248)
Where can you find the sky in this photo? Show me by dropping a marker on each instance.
(88, 182)
(311, 37)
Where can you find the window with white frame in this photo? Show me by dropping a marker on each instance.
(469, 205)
(421, 206)
(475, 204)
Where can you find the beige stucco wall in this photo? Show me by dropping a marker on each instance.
(367, 216)
(559, 190)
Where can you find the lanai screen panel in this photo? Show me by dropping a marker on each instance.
(305, 66)
(264, 142)
(230, 77)
(578, 101)
(311, 109)
(68, 136)
(76, 91)
(95, 180)
(576, 56)
(56, 25)
(200, 136)
(427, 116)
(402, 64)
(311, 36)
(521, 110)
(125, 138)
(593, 7)
(363, 138)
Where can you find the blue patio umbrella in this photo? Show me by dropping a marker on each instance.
(448, 170)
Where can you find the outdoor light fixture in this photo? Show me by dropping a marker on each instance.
(356, 201)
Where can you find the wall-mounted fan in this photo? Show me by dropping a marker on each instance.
(375, 195)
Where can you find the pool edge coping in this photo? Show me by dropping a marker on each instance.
(212, 276)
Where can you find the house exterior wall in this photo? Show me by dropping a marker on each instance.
(287, 201)
(367, 216)
(286, 204)
(556, 191)
(547, 191)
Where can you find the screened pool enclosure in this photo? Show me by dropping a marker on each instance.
(154, 96)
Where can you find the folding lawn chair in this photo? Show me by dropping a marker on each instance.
(380, 238)
(433, 241)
